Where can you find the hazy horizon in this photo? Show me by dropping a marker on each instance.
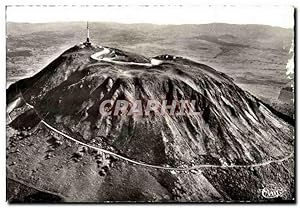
(143, 23)
(275, 16)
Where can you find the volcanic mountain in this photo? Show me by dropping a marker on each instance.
(60, 143)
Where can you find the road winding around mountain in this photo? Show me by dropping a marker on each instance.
(99, 57)
(155, 166)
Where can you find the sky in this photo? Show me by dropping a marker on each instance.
(281, 16)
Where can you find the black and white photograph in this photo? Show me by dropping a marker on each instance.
(150, 104)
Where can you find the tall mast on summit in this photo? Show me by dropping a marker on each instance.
(88, 32)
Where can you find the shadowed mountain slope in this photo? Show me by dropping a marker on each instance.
(233, 128)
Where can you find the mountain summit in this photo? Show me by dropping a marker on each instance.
(177, 155)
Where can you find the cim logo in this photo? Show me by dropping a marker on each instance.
(272, 191)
